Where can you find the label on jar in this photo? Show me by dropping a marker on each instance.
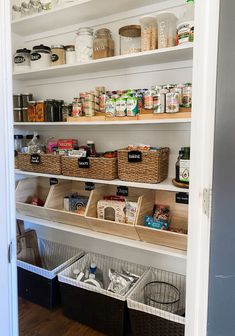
(185, 32)
(19, 59)
(132, 106)
(172, 102)
(35, 56)
(54, 58)
(184, 170)
(157, 103)
(121, 107)
(134, 156)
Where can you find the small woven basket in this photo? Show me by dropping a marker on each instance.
(99, 168)
(153, 167)
(49, 164)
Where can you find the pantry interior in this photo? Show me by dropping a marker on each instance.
(161, 250)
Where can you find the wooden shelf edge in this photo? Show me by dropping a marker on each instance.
(106, 237)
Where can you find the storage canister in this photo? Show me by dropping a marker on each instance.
(26, 98)
(130, 39)
(40, 57)
(17, 101)
(70, 54)
(148, 33)
(32, 111)
(22, 60)
(166, 30)
(84, 45)
(58, 55)
(18, 115)
(103, 45)
(40, 111)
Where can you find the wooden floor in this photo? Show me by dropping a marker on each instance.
(37, 321)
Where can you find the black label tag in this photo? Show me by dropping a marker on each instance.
(89, 186)
(54, 57)
(35, 159)
(134, 156)
(35, 56)
(53, 181)
(122, 191)
(19, 59)
(182, 198)
(83, 163)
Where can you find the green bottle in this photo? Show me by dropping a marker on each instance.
(185, 166)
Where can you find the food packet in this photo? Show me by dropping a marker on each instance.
(120, 283)
(34, 145)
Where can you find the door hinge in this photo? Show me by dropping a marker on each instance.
(207, 198)
(10, 252)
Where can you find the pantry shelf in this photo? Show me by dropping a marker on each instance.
(165, 185)
(105, 237)
(75, 12)
(166, 55)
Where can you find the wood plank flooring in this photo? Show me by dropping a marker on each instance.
(38, 321)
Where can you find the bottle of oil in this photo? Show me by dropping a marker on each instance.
(177, 166)
(184, 166)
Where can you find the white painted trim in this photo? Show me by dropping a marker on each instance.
(8, 279)
(202, 138)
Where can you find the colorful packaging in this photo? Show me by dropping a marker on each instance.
(132, 106)
(121, 107)
(110, 107)
(172, 102)
(66, 144)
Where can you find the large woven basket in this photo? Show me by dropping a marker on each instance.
(99, 168)
(153, 167)
(49, 164)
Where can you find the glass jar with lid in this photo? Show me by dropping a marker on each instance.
(103, 45)
(18, 142)
(130, 39)
(22, 60)
(70, 54)
(84, 45)
(58, 54)
(148, 33)
(40, 57)
(166, 30)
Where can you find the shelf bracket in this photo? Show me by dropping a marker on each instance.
(207, 198)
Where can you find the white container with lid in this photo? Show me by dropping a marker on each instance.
(84, 45)
(70, 54)
(21, 60)
(148, 33)
(40, 57)
(166, 30)
(130, 39)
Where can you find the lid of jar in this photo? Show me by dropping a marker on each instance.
(130, 31)
(102, 31)
(148, 19)
(23, 51)
(18, 136)
(90, 142)
(40, 101)
(41, 47)
(32, 102)
(70, 47)
(83, 30)
(30, 136)
(57, 46)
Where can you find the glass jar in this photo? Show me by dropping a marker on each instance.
(16, 12)
(187, 95)
(18, 142)
(58, 55)
(40, 111)
(130, 39)
(70, 54)
(148, 33)
(18, 114)
(84, 45)
(103, 45)
(40, 57)
(22, 60)
(32, 111)
(166, 30)
(49, 110)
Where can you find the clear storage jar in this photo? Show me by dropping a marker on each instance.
(22, 60)
(58, 55)
(40, 57)
(130, 39)
(84, 45)
(70, 54)
(148, 33)
(103, 45)
(166, 30)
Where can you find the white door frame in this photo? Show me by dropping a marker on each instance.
(202, 141)
(8, 279)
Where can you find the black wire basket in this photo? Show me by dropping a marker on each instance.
(162, 295)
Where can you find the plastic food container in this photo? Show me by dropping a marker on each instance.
(84, 45)
(166, 30)
(130, 39)
(148, 33)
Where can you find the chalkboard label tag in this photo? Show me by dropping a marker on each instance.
(83, 163)
(182, 198)
(89, 186)
(35, 159)
(53, 181)
(122, 191)
(134, 156)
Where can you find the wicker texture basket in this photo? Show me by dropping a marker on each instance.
(153, 168)
(49, 164)
(99, 168)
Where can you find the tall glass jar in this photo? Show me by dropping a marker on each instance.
(103, 45)
(84, 45)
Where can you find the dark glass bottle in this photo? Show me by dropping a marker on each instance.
(49, 110)
(177, 166)
(185, 165)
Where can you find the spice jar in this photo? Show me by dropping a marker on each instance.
(40, 111)
(84, 45)
(32, 111)
(130, 39)
(103, 45)
(148, 33)
(166, 30)
(70, 54)
(40, 57)
(58, 54)
(22, 60)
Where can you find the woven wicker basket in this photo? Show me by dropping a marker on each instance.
(153, 167)
(99, 168)
(49, 164)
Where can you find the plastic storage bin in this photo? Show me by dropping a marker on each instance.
(98, 308)
(166, 30)
(159, 311)
(40, 284)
